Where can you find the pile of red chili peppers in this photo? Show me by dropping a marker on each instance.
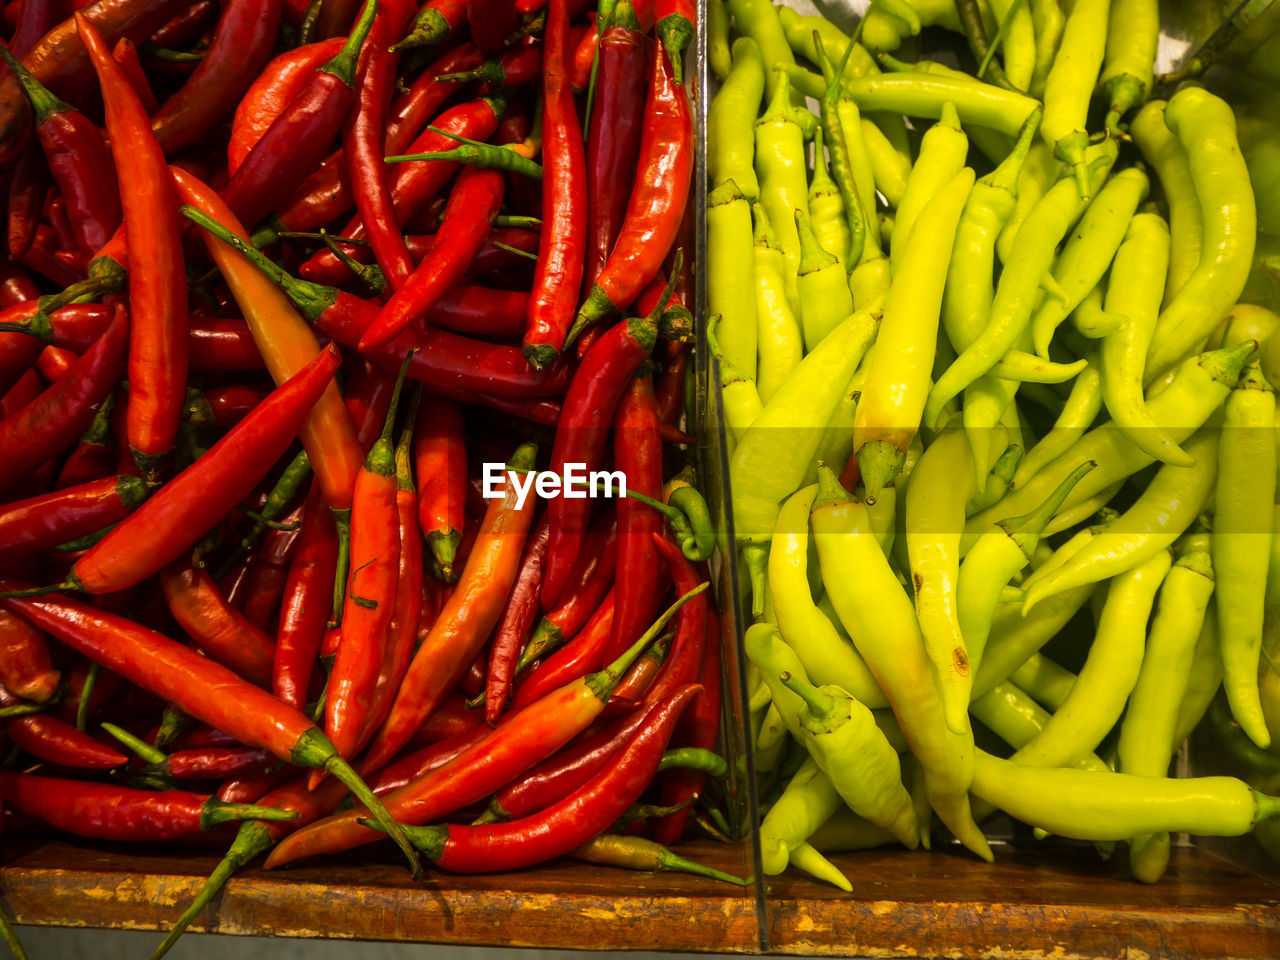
(281, 279)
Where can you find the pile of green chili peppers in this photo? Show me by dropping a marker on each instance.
(997, 353)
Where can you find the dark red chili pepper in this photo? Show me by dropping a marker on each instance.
(268, 572)
(370, 596)
(73, 327)
(527, 737)
(492, 23)
(585, 43)
(568, 824)
(583, 431)
(157, 281)
(107, 811)
(25, 667)
(562, 245)
(335, 17)
(206, 690)
(685, 660)
(699, 727)
(298, 138)
(466, 621)
(592, 578)
(657, 202)
(231, 404)
(241, 46)
(581, 654)
(223, 344)
(308, 596)
(442, 359)
(634, 685)
(126, 54)
(29, 386)
(27, 188)
(47, 738)
(94, 456)
(48, 258)
(670, 387)
(435, 23)
(191, 503)
(637, 450)
(473, 203)
(440, 462)
(613, 141)
(55, 419)
(276, 87)
(29, 526)
(217, 628)
(517, 620)
(255, 784)
(209, 763)
(448, 720)
(511, 68)
(415, 185)
(364, 142)
(675, 20)
(182, 28)
(17, 350)
(35, 19)
(105, 684)
(419, 763)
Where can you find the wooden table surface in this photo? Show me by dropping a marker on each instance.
(1053, 903)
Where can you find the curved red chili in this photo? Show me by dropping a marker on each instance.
(29, 526)
(308, 596)
(440, 462)
(685, 659)
(517, 620)
(492, 23)
(25, 667)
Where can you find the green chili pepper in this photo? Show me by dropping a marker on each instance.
(739, 398)
(1038, 174)
(1133, 34)
(729, 257)
(719, 56)
(1002, 472)
(1047, 682)
(1070, 84)
(924, 96)
(1168, 506)
(1017, 719)
(863, 246)
(779, 338)
(808, 801)
(942, 155)
(882, 622)
(1089, 805)
(731, 119)
(1046, 20)
(824, 294)
(1242, 542)
(826, 210)
(1168, 158)
(758, 19)
(1014, 638)
(975, 32)
(846, 831)
(1089, 252)
(842, 737)
(1205, 126)
(782, 165)
(894, 395)
(772, 458)
(1079, 411)
(1146, 734)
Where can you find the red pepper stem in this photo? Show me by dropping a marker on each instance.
(1031, 524)
(341, 520)
(675, 32)
(139, 746)
(314, 749)
(429, 840)
(382, 456)
(10, 937)
(404, 447)
(215, 812)
(86, 695)
(665, 297)
(43, 101)
(343, 64)
(252, 839)
(22, 710)
(602, 683)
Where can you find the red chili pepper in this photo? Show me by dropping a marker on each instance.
(613, 141)
(436, 22)
(634, 685)
(54, 420)
(206, 690)
(583, 653)
(217, 628)
(54, 363)
(106, 685)
(685, 659)
(231, 404)
(511, 68)
(73, 327)
(657, 202)
(27, 188)
(637, 450)
(562, 246)
(367, 394)
(276, 87)
(466, 621)
(126, 55)
(513, 747)
(298, 138)
(592, 578)
(209, 763)
(440, 462)
(17, 350)
(492, 23)
(517, 621)
(308, 595)
(419, 763)
(370, 597)
(29, 386)
(268, 572)
(29, 526)
(675, 20)
(25, 667)
(252, 786)
(583, 431)
(415, 185)
(448, 720)
(241, 46)
(585, 42)
(182, 28)
(699, 727)
(51, 260)
(670, 387)
(157, 282)
(106, 811)
(94, 456)
(364, 143)
(222, 344)
(47, 738)
(35, 19)
(192, 502)
(563, 827)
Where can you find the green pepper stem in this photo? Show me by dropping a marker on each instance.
(1026, 529)
(1268, 806)
(822, 706)
(1005, 176)
(43, 101)
(22, 710)
(999, 37)
(695, 758)
(343, 63)
(671, 861)
(430, 840)
(252, 839)
(342, 520)
(812, 257)
(86, 696)
(216, 812)
(603, 682)
(136, 744)
(10, 936)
